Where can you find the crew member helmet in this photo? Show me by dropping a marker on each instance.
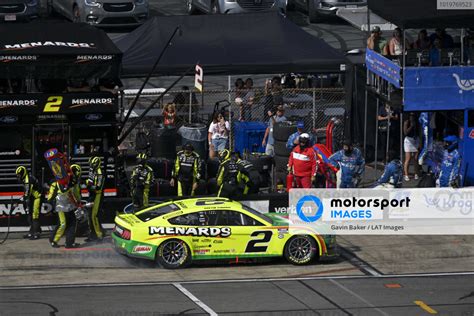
(76, 170)
(224, 154)
(21, 172)
(95, 162)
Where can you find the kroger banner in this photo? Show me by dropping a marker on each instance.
(438, 88)
(383, 67)
(427, 211)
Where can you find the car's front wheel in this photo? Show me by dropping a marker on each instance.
(300, 250)
(173, 254)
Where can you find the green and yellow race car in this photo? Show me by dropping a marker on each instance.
(176, 233)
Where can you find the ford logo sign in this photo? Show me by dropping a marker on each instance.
(93, 117)
(8, 119)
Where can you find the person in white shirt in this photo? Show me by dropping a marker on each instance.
(218, 134)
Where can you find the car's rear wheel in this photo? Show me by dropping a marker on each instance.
(76, 14)
(173, 254)
(300, 250)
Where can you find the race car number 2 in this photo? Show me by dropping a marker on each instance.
(259, 244)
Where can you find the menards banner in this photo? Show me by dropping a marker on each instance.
(67, 103)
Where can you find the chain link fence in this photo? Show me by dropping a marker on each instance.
(313, 106)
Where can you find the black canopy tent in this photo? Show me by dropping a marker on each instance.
(421, 14)
(227, 44)
(57, 51)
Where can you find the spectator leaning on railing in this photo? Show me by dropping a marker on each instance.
(377, 42)
(395, 46)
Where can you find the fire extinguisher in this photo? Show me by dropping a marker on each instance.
(290, 180)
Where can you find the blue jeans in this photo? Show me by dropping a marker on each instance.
(219, 143)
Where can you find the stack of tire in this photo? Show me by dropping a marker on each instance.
(162, 170)
(212, 169)
(263, 164)
(281, 133)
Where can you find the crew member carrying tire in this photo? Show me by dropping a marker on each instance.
(31, 200)
(187, 171)
(140, 182)
(68, 199)
(248, 177)
(351, 165)
(95, 185)
(302, 163)
(227, 175)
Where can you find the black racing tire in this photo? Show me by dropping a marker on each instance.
(300, 250)
(261, 162)
(212, 187)
(265, 180)
(281, 176)
(212, 167)
(162, 168)
(283, 130)
(201, 189)
(281, 164)
(173, 254)
(427, 181)
(281, 150)
(164, 189)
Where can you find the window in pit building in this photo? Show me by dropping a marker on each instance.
(91, 140)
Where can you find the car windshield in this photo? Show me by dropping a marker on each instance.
(258, 214)
(157, 211)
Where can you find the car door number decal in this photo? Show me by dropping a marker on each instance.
(256, 245)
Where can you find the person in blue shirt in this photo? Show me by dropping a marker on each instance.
(351, 165)
(393, 174)
(293, 140)
(449, 169)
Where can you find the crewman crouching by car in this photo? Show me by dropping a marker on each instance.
(68, 200)
(31, 200)
(393, 173)
(187, 171)
(227, 175)
(140, 182)
(248, 177)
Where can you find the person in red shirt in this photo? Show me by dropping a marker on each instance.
(169, 115)
(303, 163)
